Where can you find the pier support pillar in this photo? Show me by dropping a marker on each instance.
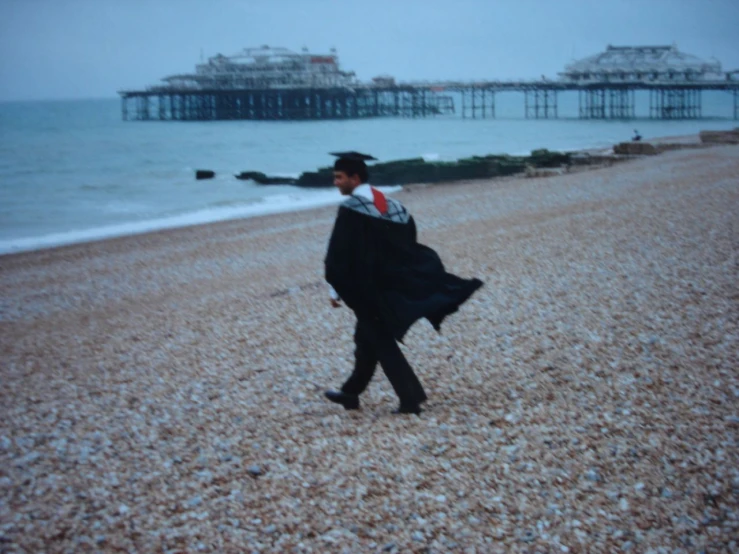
(445, 105)
(621, 104)
(593, 104)
(488, 103)
(142, 108)
(540, 104)
(674, 103)
(602, 103)
(478, 102)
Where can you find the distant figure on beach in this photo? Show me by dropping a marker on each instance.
(636, 137)
(375, 265)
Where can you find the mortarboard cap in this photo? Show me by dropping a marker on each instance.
(352, 163)
(353, 156)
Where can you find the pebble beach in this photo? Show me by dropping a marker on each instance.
(163, 392)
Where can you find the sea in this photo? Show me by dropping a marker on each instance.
(73, 171)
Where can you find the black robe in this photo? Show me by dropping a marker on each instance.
(381, 272)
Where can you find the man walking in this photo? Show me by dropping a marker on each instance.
(375, 265)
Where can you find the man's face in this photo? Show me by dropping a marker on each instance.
(345, 183)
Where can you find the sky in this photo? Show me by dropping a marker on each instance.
(64, 49)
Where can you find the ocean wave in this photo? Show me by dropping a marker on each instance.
(278, 203)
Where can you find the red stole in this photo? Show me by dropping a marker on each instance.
(380, 201)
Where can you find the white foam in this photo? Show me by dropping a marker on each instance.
(278, 203)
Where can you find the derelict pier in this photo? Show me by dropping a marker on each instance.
(278, 84)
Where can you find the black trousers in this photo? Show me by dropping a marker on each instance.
(374, 343)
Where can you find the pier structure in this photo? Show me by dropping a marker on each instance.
(607, 103)
(673, 78)
(478, 99)
(277, 84)
(734, 76)
(540, 103)
(285, 104)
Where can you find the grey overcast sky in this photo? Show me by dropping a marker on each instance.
(93, 48)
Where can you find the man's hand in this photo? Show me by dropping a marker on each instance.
(335, 303)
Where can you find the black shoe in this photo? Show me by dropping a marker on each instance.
(408, 410)
(349, 401)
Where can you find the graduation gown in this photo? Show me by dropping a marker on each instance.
(382, 273)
